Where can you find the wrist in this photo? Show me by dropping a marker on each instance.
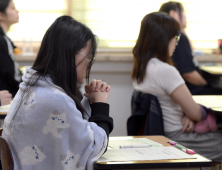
(203, 111)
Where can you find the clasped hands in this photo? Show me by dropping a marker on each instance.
(97, 91)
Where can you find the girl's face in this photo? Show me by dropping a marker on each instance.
(172, 46)
(11, 14)
(181, 20)
(82, 63)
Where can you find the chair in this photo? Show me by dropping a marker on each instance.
(6, 154)
(146, 118)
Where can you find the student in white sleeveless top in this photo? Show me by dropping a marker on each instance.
(154, 73)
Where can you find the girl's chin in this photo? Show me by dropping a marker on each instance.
(81, 81)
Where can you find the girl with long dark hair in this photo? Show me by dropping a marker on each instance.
(47, 127)
(10, 75)
(154, 74)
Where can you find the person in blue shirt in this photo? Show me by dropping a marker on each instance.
(183, 58)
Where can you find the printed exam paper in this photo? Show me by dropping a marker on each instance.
(142, 154)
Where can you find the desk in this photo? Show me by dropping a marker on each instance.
(3, 111)
(3, 115)
(213, 74)
(211, 102)
(157, 164)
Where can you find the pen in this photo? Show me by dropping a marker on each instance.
(134, 146)
(182, 148)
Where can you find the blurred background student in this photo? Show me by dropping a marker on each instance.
(10, 75)
(153, 74)
(182, 57)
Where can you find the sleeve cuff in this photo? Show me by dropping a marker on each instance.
(100, 109)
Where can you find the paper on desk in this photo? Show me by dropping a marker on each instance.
(142, 154)
(5, 108)
(209, 101)
(134, 141)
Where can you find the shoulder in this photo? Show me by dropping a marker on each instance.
(167, 72)
(165, 67)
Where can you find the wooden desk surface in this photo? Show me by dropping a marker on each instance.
(200, 161)
(3, 111)
(3, 115)
(207, 100)
(216, 70)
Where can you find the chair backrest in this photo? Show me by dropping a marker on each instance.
(146, 118)
(6, 154)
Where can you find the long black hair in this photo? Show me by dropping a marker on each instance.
(3, 5)
(56, 57)
(156, 31)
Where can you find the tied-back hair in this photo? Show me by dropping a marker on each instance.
(56, 56)
(156, 31)
(172, 5)
(3, 5)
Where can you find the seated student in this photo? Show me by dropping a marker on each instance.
(47, 127)
(154, 74)
(182, 57)
(5, 97)
(10, 75)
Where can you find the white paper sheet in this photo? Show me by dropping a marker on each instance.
(209, 101)
(142, 154)
(134, 141)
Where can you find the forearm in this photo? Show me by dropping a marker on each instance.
(181, 95)
(194, 78)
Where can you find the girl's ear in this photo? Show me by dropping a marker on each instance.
(172, 13)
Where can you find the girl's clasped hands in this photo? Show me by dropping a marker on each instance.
(97, 91)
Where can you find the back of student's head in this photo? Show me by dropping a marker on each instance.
(3, 5)
(172, 5)
(156, 31)
(56, 57)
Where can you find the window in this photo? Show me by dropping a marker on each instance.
(35, 16)
(117, 22)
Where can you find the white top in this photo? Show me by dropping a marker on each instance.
(161, 80)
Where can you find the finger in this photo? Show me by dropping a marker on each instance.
(93, 85)
(9, 95)
(103, 86)
(189, 127)
(98, 85)
(87, 88)
(86, 95)
(185, 126)
(5, 91)
(108, 88)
